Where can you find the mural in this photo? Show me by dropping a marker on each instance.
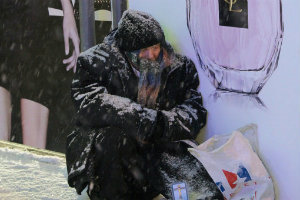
(31, 66)
(228, 109)
(103, 14)
(237, 41)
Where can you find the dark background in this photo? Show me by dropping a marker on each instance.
(233, 19)
(38, 69)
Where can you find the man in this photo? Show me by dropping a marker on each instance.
(136, 99)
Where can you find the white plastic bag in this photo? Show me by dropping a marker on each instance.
(234, 166)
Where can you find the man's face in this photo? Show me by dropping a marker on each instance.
(150, 53)
(146, 57)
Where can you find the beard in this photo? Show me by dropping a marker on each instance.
(149, 82)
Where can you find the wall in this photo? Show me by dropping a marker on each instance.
(276, 110)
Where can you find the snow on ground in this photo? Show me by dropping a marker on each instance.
(27, 175)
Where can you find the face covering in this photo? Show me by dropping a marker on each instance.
(150, 77)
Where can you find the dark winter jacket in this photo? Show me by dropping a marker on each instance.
(105, 94)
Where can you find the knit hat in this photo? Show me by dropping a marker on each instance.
(138, 30)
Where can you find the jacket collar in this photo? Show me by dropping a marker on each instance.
(127, 76)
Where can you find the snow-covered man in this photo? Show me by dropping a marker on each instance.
(135, 100)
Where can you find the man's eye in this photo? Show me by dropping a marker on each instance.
(156, 47)
(141, 53)
(145, 52)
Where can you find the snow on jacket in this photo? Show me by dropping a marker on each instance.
(104, 91)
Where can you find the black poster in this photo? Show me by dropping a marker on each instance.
(32, 50)
(233, 13)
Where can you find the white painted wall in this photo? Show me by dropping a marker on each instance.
(278, 123)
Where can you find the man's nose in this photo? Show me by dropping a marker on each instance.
(151, 55)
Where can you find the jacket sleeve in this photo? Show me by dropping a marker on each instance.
(185, 120)
(98, 108)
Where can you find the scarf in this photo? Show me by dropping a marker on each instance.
(150, 78)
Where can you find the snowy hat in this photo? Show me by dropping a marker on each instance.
(137, 30)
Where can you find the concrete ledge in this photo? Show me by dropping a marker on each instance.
(43, 152)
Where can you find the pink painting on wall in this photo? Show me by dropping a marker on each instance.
(237, 41)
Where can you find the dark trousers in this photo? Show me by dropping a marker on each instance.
(121, 168)
(116, 164)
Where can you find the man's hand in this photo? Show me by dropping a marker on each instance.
(70, 32)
